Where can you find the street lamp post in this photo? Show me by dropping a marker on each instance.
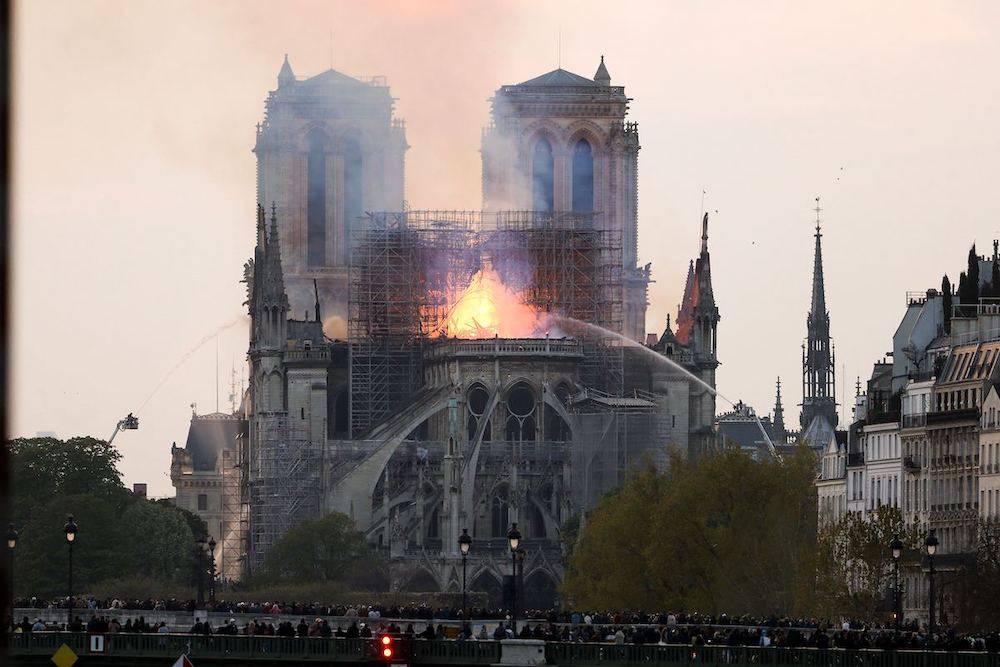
(464, 544)
(211, 571)
(514, 540)
(931, 543)
(70, 529)
(896, 547)
(11, 545)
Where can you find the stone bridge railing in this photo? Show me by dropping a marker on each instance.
(38, 647)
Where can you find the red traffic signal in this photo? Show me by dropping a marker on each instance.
(386, 648)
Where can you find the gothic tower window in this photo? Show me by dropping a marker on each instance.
(499, 514)
(316, 200)
(583, 177)
(542, 193)
(353, 192)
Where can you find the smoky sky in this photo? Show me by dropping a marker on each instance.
(134, 178)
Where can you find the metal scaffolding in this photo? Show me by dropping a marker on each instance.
(284, 484)
(404, 266)
(568, 264)
(232, 555)
(407, 267)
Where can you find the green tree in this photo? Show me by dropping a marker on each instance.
(976, 587)
(195, 523)
(157, 542)
(43, 553)
(946, 302)
(119, 535)
(855, 566)
(723, 533)
(609, 563)
(45, 468)
(329, 549)
(973, 275)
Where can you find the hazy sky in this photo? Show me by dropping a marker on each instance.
(134, 192)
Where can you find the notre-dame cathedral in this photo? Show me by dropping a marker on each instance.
(365, 396)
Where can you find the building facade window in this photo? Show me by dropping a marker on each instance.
(316, 200)
(202, 502)
(542, 181)
(583, 177)
(353, 193)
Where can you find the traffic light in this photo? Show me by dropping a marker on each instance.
(387, 648)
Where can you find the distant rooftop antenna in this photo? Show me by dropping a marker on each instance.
(817, 209)
(331, 48)
(559, 48)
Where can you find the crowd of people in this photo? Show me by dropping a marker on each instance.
(423, 612)
(609, 628)
(550, 625)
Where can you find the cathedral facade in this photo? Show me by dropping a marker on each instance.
(329, 149)
(358, 403)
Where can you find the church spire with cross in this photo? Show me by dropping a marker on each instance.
(818, 363)
(779, 415)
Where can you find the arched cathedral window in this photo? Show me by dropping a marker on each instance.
(316, 200)
(583, 177)
(542, 194)
(353, 192)
(499, 514)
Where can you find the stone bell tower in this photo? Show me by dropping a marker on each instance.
(560, 143)
(329, 149)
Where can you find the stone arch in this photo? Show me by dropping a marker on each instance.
(349, 133)
(563, 390)
(487, 582)
(351, 492)
(592, 132)
(498, 510)
(275, 390)
(311, 132)
(421, 580)
(533, 519)
(520, 399)
(477, 398)
(540, 590)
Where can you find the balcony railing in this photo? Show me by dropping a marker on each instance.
(123, 649)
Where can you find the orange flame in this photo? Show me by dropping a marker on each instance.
(488, 308)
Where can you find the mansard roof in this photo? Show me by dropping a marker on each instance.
(560, 77)
(209, 435)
